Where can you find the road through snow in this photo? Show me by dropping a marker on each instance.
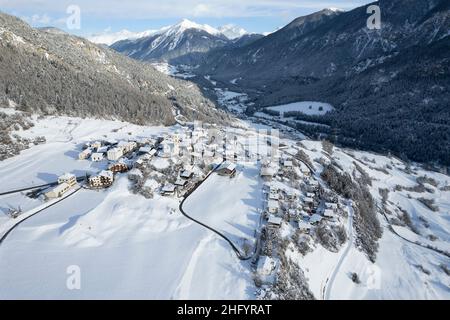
(331, 279)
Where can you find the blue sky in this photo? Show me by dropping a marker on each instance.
(105, 16)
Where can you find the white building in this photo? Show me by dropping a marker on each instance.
(103, 179)
(85, 154)
(304, 226)
(96, 157)
(114, 154)
(58, 191)
(102, 150)
(95, 145)
(328, 213)
(274, 222)
(268, 171)
(187, 174)
(68, 178)
(145, 150)
(331, 206)
(287, 163)
(168, 189)
(127, 146)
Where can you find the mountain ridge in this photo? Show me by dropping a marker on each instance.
(54, 73)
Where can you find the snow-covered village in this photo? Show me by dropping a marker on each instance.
(247, 201)
(305, 159)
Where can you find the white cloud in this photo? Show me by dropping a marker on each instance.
(40, 19)
(107, 37)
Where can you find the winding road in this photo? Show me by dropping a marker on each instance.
(332, 278)
(233, 246)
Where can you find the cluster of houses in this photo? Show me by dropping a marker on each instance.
(184, 182)
(120, 156)
(303, 203)
(306, 206)
(111, 150)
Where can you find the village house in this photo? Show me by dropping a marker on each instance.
(287, 164)
(309, 202)
(95, 145)
(85, 154)
(331, 206)
(168, 190)
(114, 154)
(165, 150)
(187, 174)
(58, 191)
(118, 167)
(181, 182)
(328, 213)
(102, 180)
(145, 150)
(274, 196)
(227, 169)
(293, 213)
(103, 150)
(312, 186)
(305, 170)
(274, 222)
(315, 219)
(268, 171)
(304, 226)
(97, 157)
(127, 146)
(290, 195)
(68, 178)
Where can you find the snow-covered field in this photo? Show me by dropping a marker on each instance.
(234, 101)
(306, 107)
(130, 247)
(126, 246)
(173, 71)
(403, 269)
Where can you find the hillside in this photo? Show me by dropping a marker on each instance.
(51, 72)
(388, 85)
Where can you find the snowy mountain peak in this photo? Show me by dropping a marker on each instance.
(186, 24)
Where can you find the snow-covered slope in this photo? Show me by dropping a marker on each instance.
(128, 246)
